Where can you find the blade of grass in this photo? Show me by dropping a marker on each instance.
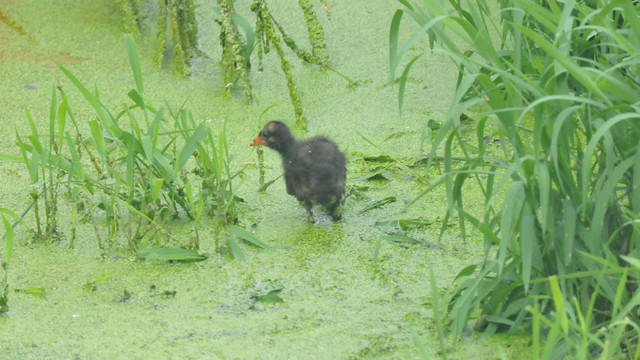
(102, 114)
(191, 145)
(558, 301)
(134, 61)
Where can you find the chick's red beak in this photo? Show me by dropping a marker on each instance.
(259, 140)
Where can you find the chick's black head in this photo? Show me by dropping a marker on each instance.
(275, 135)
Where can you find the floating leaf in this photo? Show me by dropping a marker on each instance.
(34, 291)
(402, 223)
(234, 249)
(243, 234)
(378, 158)
(434, 125)
(91, 285)
(378, 204)
(271, 297)
(402, 238)
(125, 296)
(169, 254)
(380, 175)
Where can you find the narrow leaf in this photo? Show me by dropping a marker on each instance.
(558, 301)
(134, 60)
(527, 240)
(191, 145)
(98, 137)
(247, 236)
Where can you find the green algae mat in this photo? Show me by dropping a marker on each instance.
(358, 288)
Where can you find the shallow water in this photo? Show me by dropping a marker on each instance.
(337, 303)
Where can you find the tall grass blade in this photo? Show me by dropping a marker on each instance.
(52, 116)
(98, 138)
(62, 118)
(134, 61)
(105, 118)
(192, 145)
(394, 31)
(558, 301)
(403, 82)
(527, 243)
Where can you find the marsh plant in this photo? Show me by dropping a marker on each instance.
(176, 29)
(267, 34)
(557, 85)
(177, 36)
(133, 173)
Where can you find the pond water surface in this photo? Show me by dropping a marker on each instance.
(337, 302)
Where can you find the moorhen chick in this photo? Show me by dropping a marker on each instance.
(314, 170)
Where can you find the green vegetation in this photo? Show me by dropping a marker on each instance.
(131, 14)
(235, 52)
(176, 25)
(136, 171)
(556, 87)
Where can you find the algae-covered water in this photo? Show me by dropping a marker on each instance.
(336, 301)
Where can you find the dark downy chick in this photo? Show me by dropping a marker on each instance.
(314, 170)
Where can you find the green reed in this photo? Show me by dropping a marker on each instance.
(557, 85)
(134, 170)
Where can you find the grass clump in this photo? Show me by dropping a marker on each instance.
(133, 173)
(557, 85)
